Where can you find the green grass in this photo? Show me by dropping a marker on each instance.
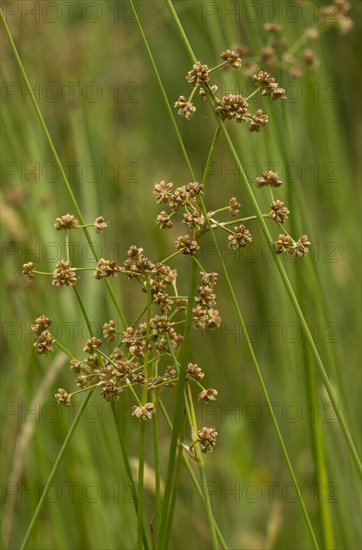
(134, 145)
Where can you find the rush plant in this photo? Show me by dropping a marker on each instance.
(148, 358)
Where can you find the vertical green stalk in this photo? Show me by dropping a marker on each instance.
(127, 465)
(141, 464)
(157, 467)
(176, 482)
(178, 409)
(278, 262)
(54, 471)
(141, 451)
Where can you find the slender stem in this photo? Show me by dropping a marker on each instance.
(60, 346)
(163, 92)
(176, 481)
(67, 254)
(178, 409)
(54, 470)
(157, 467)
(127, 464)
(217, 67)
(247, 219)
(198, 263)
(141, 464)
(254, 93)
(210, 155)
(171, 256)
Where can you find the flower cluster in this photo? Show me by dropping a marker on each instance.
(268, 85)
(44, 340)
(231, 106)
(232, 58)
(279, 213)
(186, 197)
(63, 274)
(204, 314)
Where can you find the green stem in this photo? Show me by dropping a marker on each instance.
(60, 346)
(54, 470)
(127, 464)
(254, 93)
(163, 91)
(178, 410)
(157, 466)
(210, 155)
(141, 464)
(217, 67)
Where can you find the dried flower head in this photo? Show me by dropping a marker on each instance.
(194, 371)
(207, 439)
(41, 323)
(209, 278)
(75, 365)
(106, 268)
(214, 320)
(185, 108)
(193, 220)
(28, 269)
(164, 220)
(63, 274)
(258, 120)
(68, 221)
(272, 27)
(186, 245)
(268, 178)
(284, 243)
(234, 206)
(268, 55)
(92, 344)
(63, 397)
(100, 224)
(345, 24)
(312, 33)
(110, 389)
(199, 317)
(199, 74)
(240, 238)
(44, 343)
(208, 395)
(279, 212)
(232, 58)
(213, 89)
(162, 192)
(233, 106)
(301, 247)
(310, 59)
(143, 412)
(268, 85)
(109, 331)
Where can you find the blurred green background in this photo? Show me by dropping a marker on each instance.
(100, 99)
